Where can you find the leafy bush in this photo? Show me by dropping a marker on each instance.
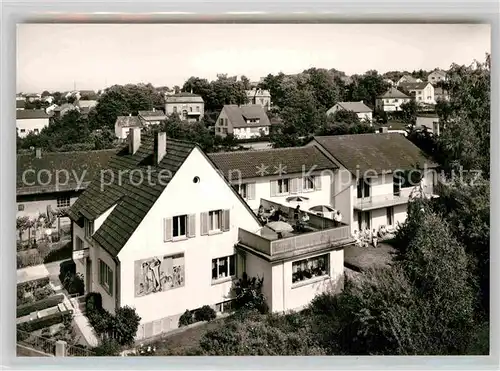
(125, 324)
(32, 286)
(107, 348)
(205, 313)
(65, 268)
(26, 309)
(71, 281)
(186, 319)
(249, 296)
(64, 252)
(43, 322)
(43, 292)
(28, 258)
(93, 302)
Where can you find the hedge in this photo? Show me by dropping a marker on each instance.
(33, 284)
(39, 323)
(65, 252)
(52, 301)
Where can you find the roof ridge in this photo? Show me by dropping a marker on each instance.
(69, 152)
(263, 150)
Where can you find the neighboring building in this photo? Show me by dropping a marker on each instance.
(61, 110)
(33, 97)
(48, 99)
(51, 109)
(407, 79)
(31, 121)
(389, 81)
(371, 182)
(86, 105)
(430, 122)
(164, 247)
(243, 122)
(260, 97)
(441, 94)
(20, 104)
(255, 175)
(436, 76)
(89, 95)
(422, 91)
(188, 106)
(37, 187)
(392, 100)
(359, 108)
(154, 117)
(124, 124)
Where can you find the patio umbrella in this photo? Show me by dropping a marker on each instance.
(297, 199)
(280, 226)
(322, 209)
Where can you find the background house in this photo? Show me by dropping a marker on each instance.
(20, 104)
(188, 106)
(154, 117)
(422, 91)
(124, 124)
(31, 121)
(244, 122)
(85, 105)
(64, 108)
(436, 76)
(259, 96)
(407, 79)
(430, 122)
(359, 108)
(392, 100)
(38, 187)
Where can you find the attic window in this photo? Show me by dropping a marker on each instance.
(196, 179)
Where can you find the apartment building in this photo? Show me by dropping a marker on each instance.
(178, 239)
(188, 106)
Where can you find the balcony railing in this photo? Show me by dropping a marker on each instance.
(386, 200)
(294, 244)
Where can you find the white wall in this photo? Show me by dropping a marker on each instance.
(391, 104)
(322, 196)
(181, 106)
(250, 132)
(211, 193)
(121, 132)
(30, 125)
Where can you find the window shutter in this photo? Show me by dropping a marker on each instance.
(226, 223)
(274, 186)
(300, 185)
(317, 183)
(167, 229)
(111, 280)
(191, 225)
(293, 185)
(204, 224)
(251, 191)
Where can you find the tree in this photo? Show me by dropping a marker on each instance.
(366, 87)
(249, 295)
(125, 325)
(22, 223)
(409, 112)
(45, 93)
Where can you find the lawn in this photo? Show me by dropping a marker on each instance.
(361, 258)
(180, 342)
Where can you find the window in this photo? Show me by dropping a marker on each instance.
(179, 226)
(190, 109)
(215, 220)
(35, 130)
(89, 228)
(223, 267)
(283, 186)
(407, 179)
(225, 306)
(63, 202)
(363, 188)
(106, 277)
(79, 243)
(308, 183)
(175, 109)
(20, 207)
(224, 130)
(218, 130)
(23, 130)
(395, 101)
(197, 108)
(242, 190)
(306, 269)
(390, 216)
(419, 92)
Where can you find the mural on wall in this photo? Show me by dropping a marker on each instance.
(158, 274)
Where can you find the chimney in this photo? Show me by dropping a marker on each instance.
(38, 153)
(160, 146)
(134, 140)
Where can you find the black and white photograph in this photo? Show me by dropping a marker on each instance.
(252, 189)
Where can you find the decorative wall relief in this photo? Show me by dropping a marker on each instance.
(158, 274)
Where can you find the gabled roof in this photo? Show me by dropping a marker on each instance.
(439, 72)
(291, 160)
(152, 115)
(87, 103)
(183, 98)
(414, 85)
(238, 115)
(132, 198)
(357, 107)
(85, 164)
(31, 114)
(408, 78)
(394, 93)
(20, 103)
(374, 152)
(128, 122)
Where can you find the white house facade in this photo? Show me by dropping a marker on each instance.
(244, 122)
(188, 106)
(436, 76)
(259, 96)
(31, 121)
(124, 124)
(359, 108)
(422, 91)
(392, 100)
(163, 249)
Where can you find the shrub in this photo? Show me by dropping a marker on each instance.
(205, 313)
(43, 322)
(33, 284)
(28, 258)
(108, 347)
(64, 252)
(93, 302)
(186, 318)
(43, 292)
(125, 324)
(26, 309)
(65, 268)
(249, 296)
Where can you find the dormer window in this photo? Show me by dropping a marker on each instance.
(89, 228)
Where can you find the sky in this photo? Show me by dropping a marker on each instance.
(92, 56)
